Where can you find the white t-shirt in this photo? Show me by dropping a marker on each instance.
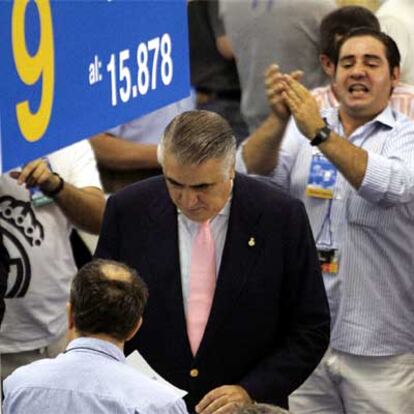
(42, 264)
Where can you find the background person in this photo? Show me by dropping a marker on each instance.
(334, 26)
(262, 31)
(361, 218)
(36, 232)
(128, 152)
(106, 305)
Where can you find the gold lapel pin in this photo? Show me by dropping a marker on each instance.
(252, 242)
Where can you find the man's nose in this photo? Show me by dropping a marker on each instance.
(189, 198)
(358, 71)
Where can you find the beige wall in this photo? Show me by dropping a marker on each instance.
(370, 4)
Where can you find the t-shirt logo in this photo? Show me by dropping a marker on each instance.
(21, 232)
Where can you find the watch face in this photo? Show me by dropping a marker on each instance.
(325, 131)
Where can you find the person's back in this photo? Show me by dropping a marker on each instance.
(105, 310)
(90, 377)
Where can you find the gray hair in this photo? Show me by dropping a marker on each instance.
(260, 409)
(194, 137)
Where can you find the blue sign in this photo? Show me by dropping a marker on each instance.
(70, 69)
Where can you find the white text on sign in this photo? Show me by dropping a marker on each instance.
(152, 59)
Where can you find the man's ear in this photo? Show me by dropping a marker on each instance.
(233, 172)
(71, 334)
(135, 329)
(71, 319)
(395, 76)
(327, 65)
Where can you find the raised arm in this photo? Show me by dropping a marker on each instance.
(260, 150)
(82, 206)
(120, 154)
(350, 160)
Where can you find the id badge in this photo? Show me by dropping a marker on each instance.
(329, 260)
(322, 177)
(38, 199)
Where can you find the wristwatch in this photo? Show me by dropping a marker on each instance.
(321, 136)
(56, 190)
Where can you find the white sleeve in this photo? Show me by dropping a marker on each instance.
(288, 152)
(77, 165)
(389, 177)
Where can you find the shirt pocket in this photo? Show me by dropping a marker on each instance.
(366, 214)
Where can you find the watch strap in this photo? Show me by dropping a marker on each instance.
(321, 136)
(58, 188)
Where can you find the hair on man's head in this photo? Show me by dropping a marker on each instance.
(194, 137)
(391, 49)
(339, 22)
(107, 297)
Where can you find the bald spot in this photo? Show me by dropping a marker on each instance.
(113, 272)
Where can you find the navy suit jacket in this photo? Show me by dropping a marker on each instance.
(269, 323)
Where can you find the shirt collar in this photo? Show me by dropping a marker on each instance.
(386, 117)
(224, 212)
(105, 348)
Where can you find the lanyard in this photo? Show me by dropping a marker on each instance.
(326, 222)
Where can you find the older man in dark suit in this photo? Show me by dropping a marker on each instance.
(237, 309)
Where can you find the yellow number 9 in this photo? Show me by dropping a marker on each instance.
(30, 68)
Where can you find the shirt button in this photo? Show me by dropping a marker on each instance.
(194, 373)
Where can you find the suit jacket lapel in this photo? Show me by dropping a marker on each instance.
(241, 249)
(161, 253)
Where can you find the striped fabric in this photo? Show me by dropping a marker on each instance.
(372, 296)
(402, 98)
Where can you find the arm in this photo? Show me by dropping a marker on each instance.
(222, 41)
(260, 150)
(350, 160)
(224, 47)
(385, 178)
(82, 206)
(120, 154)
(223, 400)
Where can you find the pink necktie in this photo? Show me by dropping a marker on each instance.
(202, 284)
